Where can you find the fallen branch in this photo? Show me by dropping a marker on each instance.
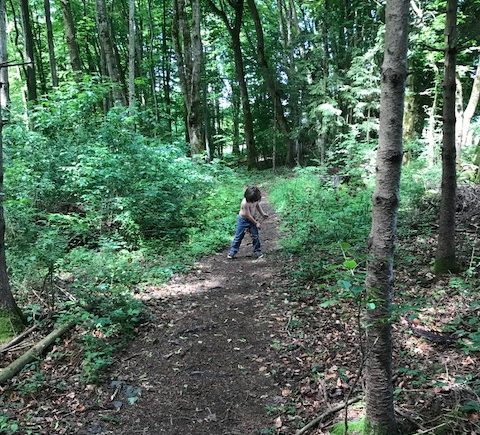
(319, 419)
(29, 356)
(18, 338)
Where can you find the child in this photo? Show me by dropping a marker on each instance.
(246, 222)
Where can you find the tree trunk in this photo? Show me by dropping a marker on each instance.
(7, 301)
(51, 47)
(471, 106)
(70, 37)
(236, 122)
(153, 82)
(380, 415)
(29, 52)
(247, 113)
(166, 69)
(234, 30)
(113, 67)
(431, 121)
(188, 50)
(38, 50)
(4, 87)
(131, 53)
(271, 82)
(445, 259)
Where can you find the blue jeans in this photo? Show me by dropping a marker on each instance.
(244, 225)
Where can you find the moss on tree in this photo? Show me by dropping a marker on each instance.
(10, 325)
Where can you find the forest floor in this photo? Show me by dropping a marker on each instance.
(198, 365)
(237, 347)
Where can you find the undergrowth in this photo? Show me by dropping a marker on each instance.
(96, 211)
(325, 230)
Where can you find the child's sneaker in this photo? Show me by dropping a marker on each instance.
(258, 255)
(230, 257)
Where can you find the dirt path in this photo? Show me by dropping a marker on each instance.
(198, 368)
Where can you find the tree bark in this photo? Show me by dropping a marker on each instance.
(234, 30)
(471, 106)
(113, 66)
(166, 70)
(188, 50)
(236, 122)
(271, 82)
(29, 52)
(51, 47)
(445, 259)
(4, 89)
(153, 81)
(7, 301)
(131, 53)
(380, 416)
(70, 37)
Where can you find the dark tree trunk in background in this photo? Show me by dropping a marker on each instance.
(51, 47)
(189, 53)
(234, 30)
(445, 259)
(70, 36)
(29, 52)
(270, 82)
(380, 418)
(4, 90)
(111, 62)
(131, 53)
(38, 49)
(166, 69)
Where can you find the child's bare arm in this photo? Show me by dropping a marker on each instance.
(260, 210)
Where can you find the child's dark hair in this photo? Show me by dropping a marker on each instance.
(252, 194)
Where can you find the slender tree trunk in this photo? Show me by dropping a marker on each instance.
(51, 47)
(4, 87)
(131, 53)
(458, 118)
(110, 58)
(196, 113)
(7, 301)
(166, 70)
(153, 82)
(236, 121)
(38, 50)
(431, 122)
(271, 82)
(70, 37)
(29, 52)
(247, 113)
(471, 106)
(380, 418)
(445, 259)
(234, 30)
(188, 50)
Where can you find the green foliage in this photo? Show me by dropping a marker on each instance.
(355, 427)
(319, 220)
(10, 325)
(90, 198)
(8, 426)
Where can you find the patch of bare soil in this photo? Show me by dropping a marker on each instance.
(198, 368)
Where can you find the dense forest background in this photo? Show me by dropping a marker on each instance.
(130, 128)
